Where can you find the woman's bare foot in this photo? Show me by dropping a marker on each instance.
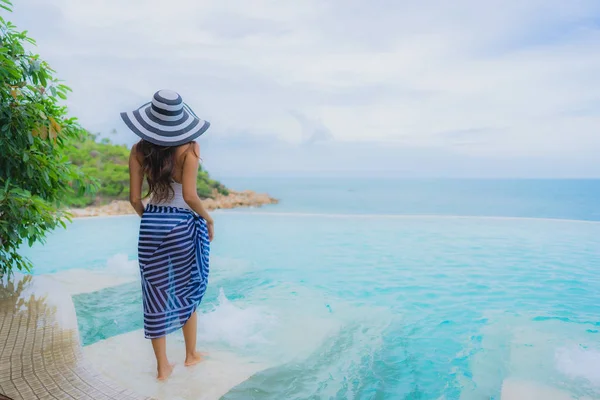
(164, 372)
(193, 359)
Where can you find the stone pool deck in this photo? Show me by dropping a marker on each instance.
(40, 353)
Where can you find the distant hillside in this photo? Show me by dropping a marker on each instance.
(107, 164)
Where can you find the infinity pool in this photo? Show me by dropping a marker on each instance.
(365, 307)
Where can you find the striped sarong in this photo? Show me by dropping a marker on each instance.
(173, 252)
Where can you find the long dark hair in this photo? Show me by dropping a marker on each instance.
(158, 163)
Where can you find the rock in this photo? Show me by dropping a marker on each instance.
(234, 199)
(246, 198)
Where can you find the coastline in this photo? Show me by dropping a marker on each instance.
(234, 199)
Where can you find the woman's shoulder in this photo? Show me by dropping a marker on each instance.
(136, 153)
(185, 149)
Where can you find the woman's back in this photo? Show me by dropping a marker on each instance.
(176, 199)
(181, 153)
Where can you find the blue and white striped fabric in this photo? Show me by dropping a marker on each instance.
(173, 253)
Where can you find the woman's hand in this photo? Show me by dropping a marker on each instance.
(211, 229)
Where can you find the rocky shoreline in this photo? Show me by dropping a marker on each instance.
(234, 199)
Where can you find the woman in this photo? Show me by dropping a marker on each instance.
(175, 231)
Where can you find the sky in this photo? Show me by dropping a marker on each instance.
(467, 88)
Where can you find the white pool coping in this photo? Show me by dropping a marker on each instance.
(129, 361)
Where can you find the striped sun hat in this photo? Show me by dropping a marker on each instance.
(166, 120)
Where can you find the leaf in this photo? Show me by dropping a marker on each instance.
(55, 125)
(43, 79)
(43, 132)
(62, 95)
(53, 133)
(13, 93)
(43, 115)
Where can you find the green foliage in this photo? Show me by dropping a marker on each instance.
(105, 163)
(206, 186)
(108, 165)
(36, 178)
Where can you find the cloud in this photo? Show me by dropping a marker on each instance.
(274, 157)
(313, 131)
(494, 80)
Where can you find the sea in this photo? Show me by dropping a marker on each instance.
(357, 288)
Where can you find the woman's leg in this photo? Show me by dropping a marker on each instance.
(162, 363)
(192, 357)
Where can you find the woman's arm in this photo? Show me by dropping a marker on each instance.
(191, 163)
(136, 177)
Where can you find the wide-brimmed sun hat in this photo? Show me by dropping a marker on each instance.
(166, 120)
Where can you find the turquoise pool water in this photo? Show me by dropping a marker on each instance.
(373, 306)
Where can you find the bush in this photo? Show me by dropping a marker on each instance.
(105, 163)
(36, 177)
(108, 165)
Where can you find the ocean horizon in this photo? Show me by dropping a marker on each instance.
(575, 199)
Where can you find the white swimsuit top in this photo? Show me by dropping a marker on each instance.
(177, 199)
